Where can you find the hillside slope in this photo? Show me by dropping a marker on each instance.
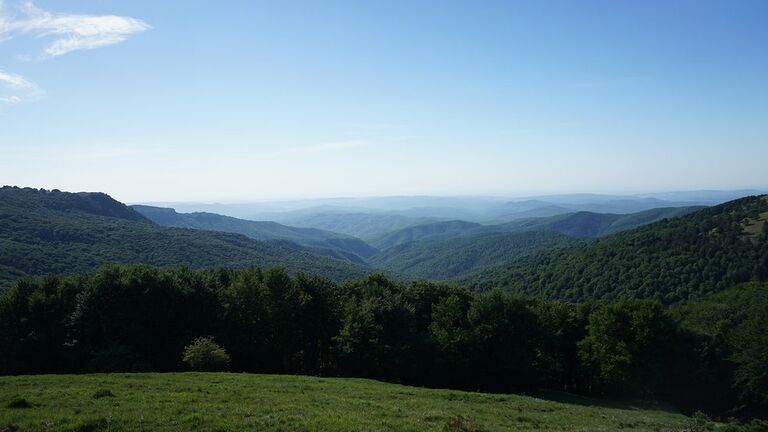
(579, 224)
(428, 231)
(232, 402)
(314, 240)
(731, 322)
(443, 259)
(671, 260)
(589, 224)
(366, 226)
(59, 232)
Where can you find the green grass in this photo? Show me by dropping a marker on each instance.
(754, 227)
(235, 402)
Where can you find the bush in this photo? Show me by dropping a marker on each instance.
(459, 424)
(756, 425)
(19, 402)
(102, 393)
(204, 354)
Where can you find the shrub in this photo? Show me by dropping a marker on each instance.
(204, 354)
(459, 424)
(18, 402)
(699, 422)
(101, 393)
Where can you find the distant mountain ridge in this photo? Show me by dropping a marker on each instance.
(590, 224)
(366, 226)
(480, 209)
(60, 232)
(314, 240)
(575, 224)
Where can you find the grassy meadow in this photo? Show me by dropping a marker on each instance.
(235, 402)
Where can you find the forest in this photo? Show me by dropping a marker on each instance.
(50, 231)
(670, 261)
(706, 354)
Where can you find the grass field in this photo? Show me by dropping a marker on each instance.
(754, 227)
(240, 402)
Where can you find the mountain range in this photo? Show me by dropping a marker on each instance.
(670, 253)
(59, 232)
(313, 240)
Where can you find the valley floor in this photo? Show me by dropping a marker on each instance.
(236, 402)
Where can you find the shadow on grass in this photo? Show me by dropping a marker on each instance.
(625, 404)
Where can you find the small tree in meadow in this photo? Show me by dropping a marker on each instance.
(204, 354)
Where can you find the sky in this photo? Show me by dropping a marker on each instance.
(239, 100)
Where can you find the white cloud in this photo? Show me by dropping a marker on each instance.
(70, 32)
(15, 89)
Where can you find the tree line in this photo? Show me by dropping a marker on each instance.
(141, 318)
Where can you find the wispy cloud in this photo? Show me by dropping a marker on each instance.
(16, 89)
(321, 148)
(64, 33)
(70, 32)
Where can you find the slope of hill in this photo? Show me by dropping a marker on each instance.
(561, 204)
(231, 402)
(442, 259)
(732, 322)
(366, 226)
(671, 260)
(588, 224)
(526, 209)
(579, 224)
(314, 240)
(428, 231)
(59, 232)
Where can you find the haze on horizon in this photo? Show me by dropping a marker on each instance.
(152, 101)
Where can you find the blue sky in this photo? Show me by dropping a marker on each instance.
(238, 100)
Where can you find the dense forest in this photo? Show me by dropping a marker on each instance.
(59, 232)
(444, 259)
(671, 260)
(574, 224)
(442, 230)
(133, 318)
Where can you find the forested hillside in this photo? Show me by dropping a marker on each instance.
(731, 329)
(59, 232)
(579, 224)
(589, 224)
(428, 231)
(314, 240)
(367, 226)
(443, 259)
(671, 260)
